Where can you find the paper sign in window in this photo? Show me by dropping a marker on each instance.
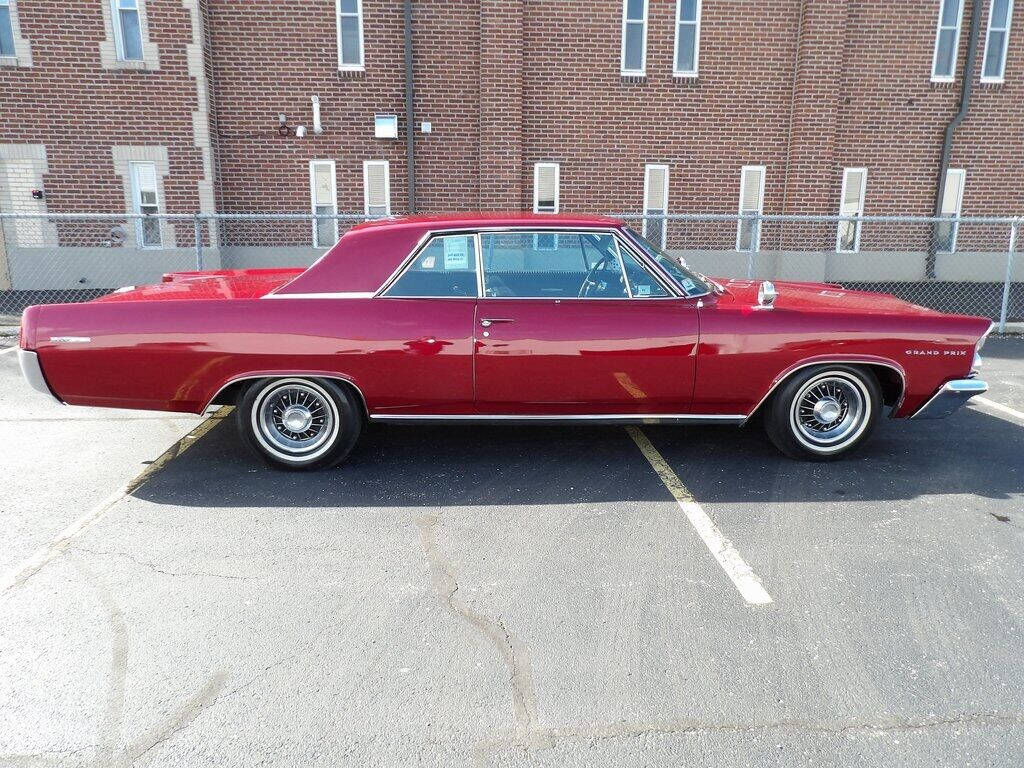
(456, 253)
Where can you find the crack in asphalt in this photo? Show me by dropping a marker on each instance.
(684, 727)
(512, 652)
(157, 569)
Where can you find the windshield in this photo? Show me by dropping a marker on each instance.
(692, 283)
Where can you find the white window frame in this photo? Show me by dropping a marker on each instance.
(647, 185)
(361, 65)
(136, 189)
(988, 43)
(956, 41)
(115, 21)
(696, 42)
(387, 187)
(755, 237)
(312, 200)
(955, 215)
(858, 214)
(643, 41)
(14, 36)
(536, 186)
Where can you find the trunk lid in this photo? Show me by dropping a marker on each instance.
(213, 284)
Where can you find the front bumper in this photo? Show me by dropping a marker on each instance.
(949, 398)
(33, 373)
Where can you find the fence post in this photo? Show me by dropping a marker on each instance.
(197, 226)
(1009, 275)
(754, 222)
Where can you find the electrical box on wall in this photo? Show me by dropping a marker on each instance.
(385, 126)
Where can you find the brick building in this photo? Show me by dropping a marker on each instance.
(784, 106)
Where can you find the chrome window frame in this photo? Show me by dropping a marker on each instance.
(674, 291)
(420, 246)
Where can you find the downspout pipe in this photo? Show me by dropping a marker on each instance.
(966, 87)
(410, 128)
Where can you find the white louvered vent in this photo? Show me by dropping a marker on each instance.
(377, 188)
(545, 188)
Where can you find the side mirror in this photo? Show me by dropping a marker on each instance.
(766, 295)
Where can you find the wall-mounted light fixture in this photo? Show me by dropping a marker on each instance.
(318, 127)
(385, 126)
(282, 125)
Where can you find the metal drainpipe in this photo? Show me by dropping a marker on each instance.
(409, 126)
(947, 141)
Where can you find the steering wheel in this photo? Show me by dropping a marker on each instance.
(589, 282)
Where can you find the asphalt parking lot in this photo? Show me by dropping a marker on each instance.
(511, 597)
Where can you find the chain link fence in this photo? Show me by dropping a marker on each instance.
(966, 265)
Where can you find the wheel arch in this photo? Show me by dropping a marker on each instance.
(229, 391)
(890, 375)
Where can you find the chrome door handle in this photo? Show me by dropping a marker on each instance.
(487, 322)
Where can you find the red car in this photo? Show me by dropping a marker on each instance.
(508, 318)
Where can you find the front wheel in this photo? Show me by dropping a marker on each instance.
(823, 412)
(299, 423)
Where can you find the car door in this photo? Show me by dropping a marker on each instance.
(561, 330)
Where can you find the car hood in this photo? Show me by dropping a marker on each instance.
(820, 297)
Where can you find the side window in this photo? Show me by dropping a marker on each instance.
(641, 282)
(580, 265)
(444, 268)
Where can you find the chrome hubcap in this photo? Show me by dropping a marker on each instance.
(295, 418)
(829, 411)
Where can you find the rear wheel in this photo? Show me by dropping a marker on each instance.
(299, 423)
(823, 412)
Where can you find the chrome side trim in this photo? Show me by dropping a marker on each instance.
(33, 373)
(337, 295)
(609, 418)
(780, 379)
(949, 398)
(70, 339)
(287, 374)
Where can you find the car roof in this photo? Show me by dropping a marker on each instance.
(496, 219)
(369, 253)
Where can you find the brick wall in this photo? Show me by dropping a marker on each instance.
(803, 87)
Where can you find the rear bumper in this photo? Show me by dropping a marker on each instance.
(949, 398)
(33, 373)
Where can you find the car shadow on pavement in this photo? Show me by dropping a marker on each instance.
(397, 466)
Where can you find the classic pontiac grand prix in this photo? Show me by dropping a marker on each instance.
(510, 318)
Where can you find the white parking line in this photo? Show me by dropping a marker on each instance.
(746, 581)
(5, 350)
(44, 555)
(998, 407)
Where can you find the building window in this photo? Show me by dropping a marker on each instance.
(545, 188)
(350, 34)
(947, 40)
(127, 30)
(687, 37)
(634, 37)
(6, 29)
(15, 50)
(851, 203)
(376, 188)
(324, 200)
(999, 15)
(655, 202)
(952, 197)
(146, 201)
(748, 231)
